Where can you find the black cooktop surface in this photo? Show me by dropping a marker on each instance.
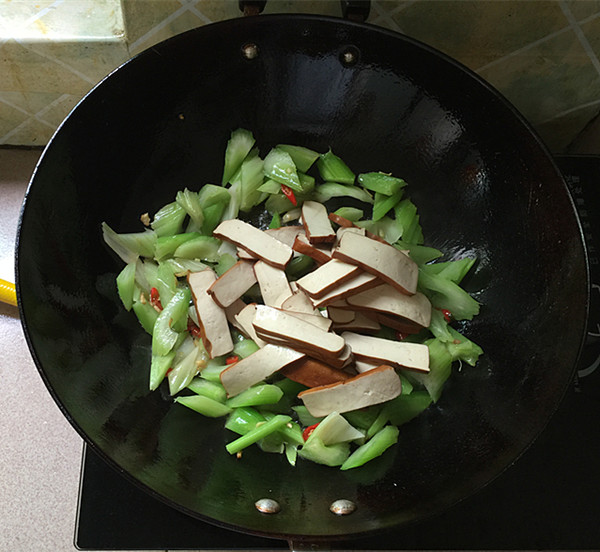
(549, 499)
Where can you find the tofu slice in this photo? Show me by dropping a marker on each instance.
(244, 320)
(373, 387)
(316, 319)
(243, 255)
(273, 283)
(232, 311)
(285, 234)
(320, 253)
(360, 282)
(327, 277)
(255, 242)
(353, 229)
(387, 300)
(299, 302)
(211, 317)
(312, 373)
(413, 356)
(256, 367)
(231, 285)
(316, 223)
(360, 323)
(340, 316)
(271, 323)
(381, 259)
(362, 366)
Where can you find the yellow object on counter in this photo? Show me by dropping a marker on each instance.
(8, 293)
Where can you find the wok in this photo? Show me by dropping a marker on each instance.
(484, 184)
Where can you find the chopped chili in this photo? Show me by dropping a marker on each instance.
(232, 359)
(289, 193)
(447, 315)
(193, 329)
(155, 299)
(307, 431)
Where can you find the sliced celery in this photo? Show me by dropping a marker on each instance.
(291, 453)
(204, 405)
(302, 157)
(270, 187)
(278, 203)
(380, 182)
(190, 202)
(182, 267)
(257, 395)
(126, 285)
(238, 147)
(146, 314)
(363, 418)
(351, 213)
(275, 221)
(462, 348)
(212, 371)
(158, 368)
(305, 417)
(212, 217)
(210, 195)
(451, 270)
(439, 326)
(204, 248)
(404, 408)
(166, 283)
(168, 220)
(299, 266)
(184, 368)
(445, 294)
(308, 184)
(245, 348)
(167, 245)
(373, 448)
(258, 433)
(164, 337)
(326, 191)
(146, 274)
(278, 166)
(129, 246)
(225, 262)
(332, 168)
(421, 254)
(329, 455)
(378, 424)
(210, 389)
(384, 203)
(334, 428)
(251, 179)
(385, 228)
(440, 368)
(243, 420)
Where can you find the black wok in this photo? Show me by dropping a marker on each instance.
(484, 185)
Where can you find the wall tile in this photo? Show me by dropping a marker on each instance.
(591, 31)
(582, 9)
(141, 15)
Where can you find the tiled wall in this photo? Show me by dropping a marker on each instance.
(543, 55)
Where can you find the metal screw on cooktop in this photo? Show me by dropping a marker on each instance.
(342, 507)
(250, 50)
(350, 56)
(267, 506)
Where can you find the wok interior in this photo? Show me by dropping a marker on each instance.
(483, 185)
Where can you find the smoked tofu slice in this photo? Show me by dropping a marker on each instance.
(233, 283)
(273, 283)
(212, 318)
(254, 241)
(320, 253)
(327, 277)
(285, 234)
(381, 259)
(360, 323)
(299, 302)
(360, 282)
(387, 300)
(316, 222)
(256, 367)
(312, 373)
(244, 321)
(373, 387)
(283, 327)
(413, 356)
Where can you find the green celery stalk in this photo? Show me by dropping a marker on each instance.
(204, 405)
(385, 228)
(168, 220)
(289, 433)
(382, 183)
(205, 248)
(291, 453)
(212, 371)
(212, 217)
(238, 147)
(363, 418)
(244, 419)
(210, 195)
(146, 315)
(439, 327)
(299, 266)
(210, 389)
(166, 283)
(126, 285)
(146, 274)
(182, 267)
(334, 428)
(454, 271)
(275, 221)
(329, 455)
(445, 294)
(351, 213)
(308, 184)
(404, 408)
(440, 368)
(302, 157)
(462, 348)
(257, 395)
(158, 368)
(378, 424)
(278, 166)
(326, 191)
(384, 203)
(129, 246)
(225, 262)
(270, 187)
(184, 368)
(245, 348)
(251, 179)
(278, 203)
(167, 245)
(258, 433)
(190, 202)
(164, 337)
(373, 448)
(421, 254)
(332, 168)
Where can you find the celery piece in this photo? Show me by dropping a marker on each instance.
(351, 213)
(462, 348)
(204, 405)
(257, 433)
(146, 314)
(164, 337)
(278, 203)
(168, 220)
(404, 408)
(212, 371)
(224, 263)
(454, 271)
(363, 418)
(383, 204)
(440, 368)
(238, 147)
(146, 274)
(421, 254)
(210, 389)
(289, 433)
(126, 285)
(190, 202)
(308, 184)
(407, 386)
(291, 453)
(299, 266)
(329, 455)
(405, 212)
(414, 233)
(305, 417)
(212, 217)
(182, 267)
(382, 183)
(278, 166)
(385, 228)
(332, 168)
(326, 191)
(378, 423)
(166, 283)
(205, 248)
(243, 420)
(184, 369)
(232, 209)
(373, 448)
(272, 443)
(245, 348)
(270, 187)
(158, 368)
(257, 395)
(210, 195)
(129, 246)
(302, 157)
(334, 428)
(251, 179)
(439, 326)
(275, 221)
(167, 245)
(445, 294)
(290, 393)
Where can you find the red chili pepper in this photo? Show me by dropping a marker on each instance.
(193, 329)
(447, 315)
(155, 299)
(232, 359)
(307, 432)
(288, 192)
